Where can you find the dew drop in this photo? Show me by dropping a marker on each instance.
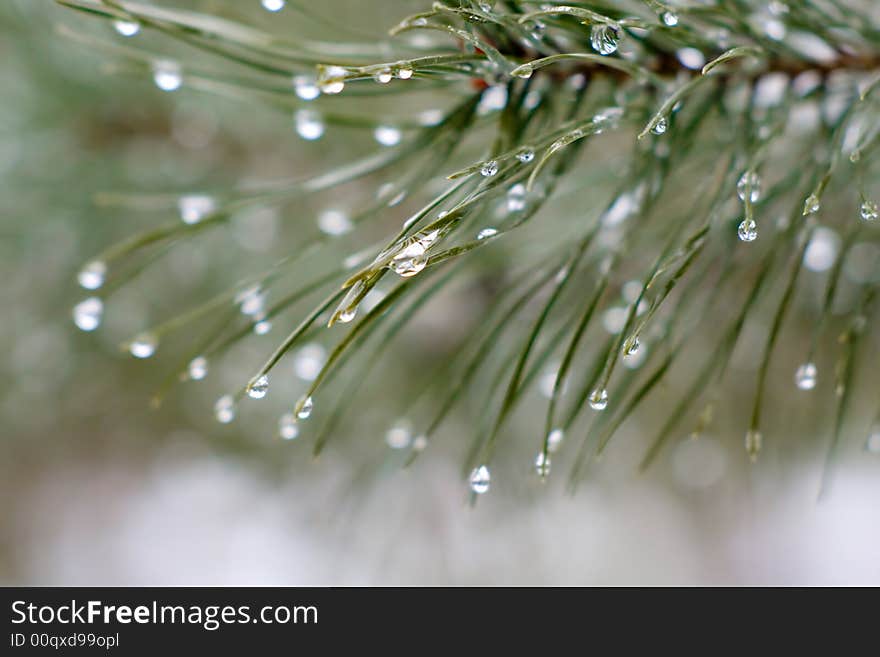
(87, 314)
(224, 409)
(554, 440)
(753, 444)
(749, 181)
(411, 259)
(91, 277)
(331, 79)
(309, 124)
(480, 480)
(347, 314)
(144, 345)
(399, 435)
(487, 233)
(305, 87)
(542, 465)
(516, 198)
(308, 361)
(127, 28)
(805, 376)
(812, 204)
(167, 75)
(258, 387)
(867, 211)
(524, 72)
(195, 207)
(404, 72)
(387, 135)
(197, 368)
(598, 399)
(304, 408)
(287, 426)
(670, 19)
(747, 230)
(334, 222)
(419, 443)
(384, 76)
(660, 126)
(489, 168)
(631, 346)
(604, 38)
(273, 5)
(525, 155)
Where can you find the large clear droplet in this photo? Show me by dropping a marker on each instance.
(631, 346)
(747, 230)
(197, 368)
(144, 345)
(91, 277)
(670, 19)
(304, 408)
(309, 124)
(411, 259)
(480, 480)
(87, 314)
(331, 79)
(604, 38)
(404, 72)
(812, 204)
(486, 233)
(660, 126)
(489, 168)
(258, 387)
(805, 376)
(305, 87)
(753, 444)
(127, 28)
(525, 155)
(347, 314)
(167, 75)
(273, 5)
(387, 135)
(224, 409)
(598, 399)
(868, 211)
(195, 207)
(554, 439)
(749, 181)
(383, 76)
(287, 426)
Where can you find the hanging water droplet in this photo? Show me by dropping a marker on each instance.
(867, 211)
(805, 376)
(331, 79)
(598, 399)
(670, 19)
(387, 135)
(309, 124)
(749, 181)
(604, 38)
(753, 444)
(631, 346)
(197, 368)
(252, 301)
(306, 87)
(258, 387)
(304, 408)
(347, 314)
(489, 168)
(525, 155)
(91, 277)
(410, 260)
(195, 207)
(127, 28)
(273, 5)
(399, 436)
(660, 126)
(480, 480)
(812, 204)
(747, 230)
(487, 233)
(404, 72)
(554, 440)
(87, 314)
(524, 72)
(287, 426)
(542, 465)
(224, 409)
(167, 75)
(384, 76)
(144, 345)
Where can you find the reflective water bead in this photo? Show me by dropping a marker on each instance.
(631, 346)
(87, 314)
(197, 368)
(420, 442)
(309, 124)
(224, 409)
(167, 75)
(331, 79)
(144, 345)
(487, 233)
(305, 87)
(811, 204)
(387, 135)
(749, 181)
(347, 314)
(127, 28)
(404, 72)
(480, 480)
(542, 465)
(747, 230)
(805, 376)
(516, 198)
(308, 361)
(334, 222)
(410, 260)
(304, 408)
(195, 207)
(399, 436)
(273, 5)
(525, 155)
(604, 38)
(524, 72)
(598, 399)
(554, 439)
(660, 126)
(670, 19)
(489, 168)
(258, 387)
(753, 443)
(91, 277)
(287, 426)
(868, 211)
(384, 76)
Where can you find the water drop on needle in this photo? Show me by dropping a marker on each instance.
(258, 387)
(87, 314)
(480, 480)
(598, 399)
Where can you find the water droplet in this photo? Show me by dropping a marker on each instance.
(660, 126)
(304, 408)
(749, 181)
(331, 79)
(273, 5)
(404, 72)
(87, 314)
(485, 6)
(305, 87)
(805, 376)
(197, 368)
(631, 346)
(399, 436)
(258, 387)
(195, 207)
(309, 124)
(487, 233)
(167, 75)
(144, 345)
(753, 444)
(127, 28)
(308, 361)
(747, 230)
(812, 204)
(252, 301)
(516, 198)
(554, 440)
(387, 135)
(334, 222)
(670, 19)
(524, 72)
(542, 465)
(384, 76)
(347, 314)
(525, 155)
(480, 480)
(287, 426)
(419, 443)
(91, 277)
(598, 399)
(410, 260)
(604, 38)
(489, 168)
(867, 211)
(224, 409)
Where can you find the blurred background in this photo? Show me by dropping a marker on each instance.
(97, 488)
